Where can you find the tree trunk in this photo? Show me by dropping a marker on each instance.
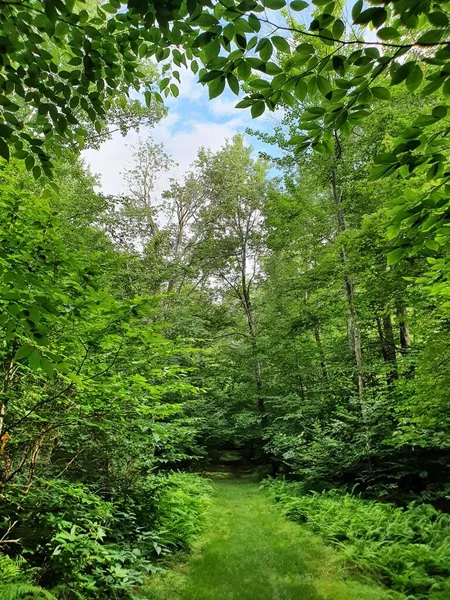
(256, 363)
(318, 339)
(405, 339)
(387, 343)
(354, 328)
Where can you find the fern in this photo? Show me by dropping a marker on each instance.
(15, 591)
(10, 570)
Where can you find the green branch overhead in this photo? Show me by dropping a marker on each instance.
(64, 62)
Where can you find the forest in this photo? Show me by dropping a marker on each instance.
(236, 387)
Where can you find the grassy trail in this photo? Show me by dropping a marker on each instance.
(251, 552)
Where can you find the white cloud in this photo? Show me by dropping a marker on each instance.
(184, 144)
(192, 122)
(181, 143)
(189, 88)
(222, 106)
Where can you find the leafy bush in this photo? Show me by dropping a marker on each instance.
(408, 549)
(82, 547)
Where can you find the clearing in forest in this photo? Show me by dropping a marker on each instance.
(249, 551)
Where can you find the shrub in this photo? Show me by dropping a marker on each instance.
(408, 549)
(82, 547)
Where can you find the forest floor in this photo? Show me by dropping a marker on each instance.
(249, 551)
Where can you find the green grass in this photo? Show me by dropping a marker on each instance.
(249, 551)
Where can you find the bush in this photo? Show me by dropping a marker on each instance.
(82, 547)
(407, 549)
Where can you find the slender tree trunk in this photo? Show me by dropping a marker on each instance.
(354, 328)
(405, 339)
(318, 339)
(256, 362)
(387, 344)
(178, 242)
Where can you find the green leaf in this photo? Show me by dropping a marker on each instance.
(439, 112)
(402, 72)
(414, 79)
(394, 256)
(34, 360)
(258, 108)
(47, 366)
(274, 4)
(438, 19)
(323, 84)
(381, 92)
(432, 245)
(301, 89)
(365, 16)
(233, 83)
(431, 37)
(298, 5)
(216, 87)
(392, 231)
(281, 44)
(29, 162)
(388, 33)
(4, 149)
(356, 10)
(23, 351)
(306, 49)
(446, 88)
(75, 378)
(338, 29)
(266, 49)
(245, 103)
(208, 76)
(109, 8)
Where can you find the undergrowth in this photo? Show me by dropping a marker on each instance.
(407, 549)
(74, 545)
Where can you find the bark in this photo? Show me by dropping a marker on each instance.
(353, 318)
(318, 339)
(405, 339)
(257, 372)
(353, 323)
(387, 344)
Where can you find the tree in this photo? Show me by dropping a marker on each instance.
(229, 229)
(60, 57)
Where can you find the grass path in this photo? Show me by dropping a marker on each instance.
(249, 551)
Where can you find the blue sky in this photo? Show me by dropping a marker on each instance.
(193, 121)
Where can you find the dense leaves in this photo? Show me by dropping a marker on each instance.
(406, 549)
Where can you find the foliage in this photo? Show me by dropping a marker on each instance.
(74, 60)
(93, 403)
(180, 508)
(15, 582)
(80, 545)
(12, 591)
(250, 552)
(406, 548)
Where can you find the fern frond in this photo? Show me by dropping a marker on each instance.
(15, 591)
